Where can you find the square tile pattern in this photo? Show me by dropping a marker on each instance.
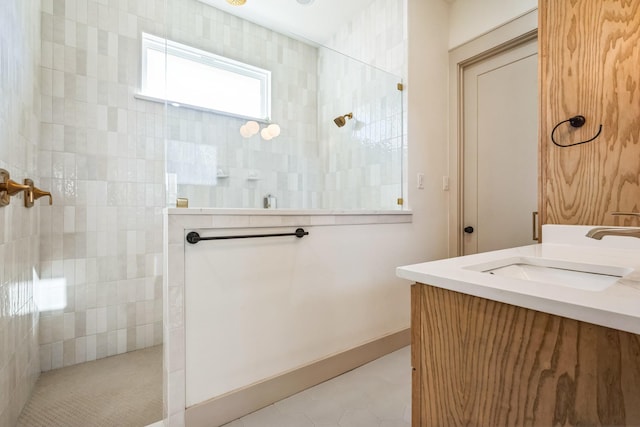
(377, 394)
(19, 135)
(102, 151)
(69, 120)
(102, 155)
(312, 164)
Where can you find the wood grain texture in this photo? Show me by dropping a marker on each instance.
(416, 356)
(589, 64)
(485, 363)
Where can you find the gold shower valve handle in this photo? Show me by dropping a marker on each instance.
(37, 193)
(9, 188)
(12, 188)
(34, 194)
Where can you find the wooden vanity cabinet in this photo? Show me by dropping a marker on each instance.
(478, 362)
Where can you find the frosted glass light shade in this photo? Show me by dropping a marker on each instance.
(252, 126)
(245, 132)
(265, 134)
(273, 129)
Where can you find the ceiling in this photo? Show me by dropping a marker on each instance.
(315, 22)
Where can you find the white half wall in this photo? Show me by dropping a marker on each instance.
(249, 310)
(258, 308)
(472, 18)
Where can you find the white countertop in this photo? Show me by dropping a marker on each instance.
(617, 306)
(279, 211)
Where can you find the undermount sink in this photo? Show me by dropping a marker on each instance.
(588, 277)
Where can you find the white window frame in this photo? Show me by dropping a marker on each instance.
(199, 56)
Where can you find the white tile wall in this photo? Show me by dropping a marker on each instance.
(102, 156)
(287, 165)
(377, 36)
(19, 134)
(312, 164)
(79, 132)
(364, 160)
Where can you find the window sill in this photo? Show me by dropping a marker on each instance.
(177, 104)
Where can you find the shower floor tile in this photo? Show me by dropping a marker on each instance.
(376, 394)
(123, 390)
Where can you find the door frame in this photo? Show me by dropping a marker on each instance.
(507, 36)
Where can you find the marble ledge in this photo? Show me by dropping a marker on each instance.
(179, 219)
(281, 212)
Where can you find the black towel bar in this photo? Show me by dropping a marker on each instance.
(193, 237)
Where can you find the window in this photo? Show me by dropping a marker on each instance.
(203, 80)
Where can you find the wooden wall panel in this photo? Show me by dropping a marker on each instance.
(485, 363)
(416, 355)
(590, 65)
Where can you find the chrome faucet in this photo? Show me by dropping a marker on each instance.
(599, 232)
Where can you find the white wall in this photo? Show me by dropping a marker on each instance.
(102, 156)
(259, 308)
(427, 91)
(471, 18)
(433, 27)
(19, 139)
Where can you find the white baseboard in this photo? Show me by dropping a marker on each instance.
(233, 405)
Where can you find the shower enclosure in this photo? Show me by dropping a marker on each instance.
(312, 163)
(321, 138)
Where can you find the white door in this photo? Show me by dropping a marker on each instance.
(500, 150)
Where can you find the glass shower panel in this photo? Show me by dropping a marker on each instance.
(361, 160)
(214, 161)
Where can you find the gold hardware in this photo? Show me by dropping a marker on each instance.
(182, 202)
(4, 196)
(626, 213)
(400, 201)
(8, 188)
(400, 87)
(34, 193)
(12, 188)
(599, 232)
(534, 215)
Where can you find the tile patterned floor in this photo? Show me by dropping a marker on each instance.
(122, 390)
(377, 394)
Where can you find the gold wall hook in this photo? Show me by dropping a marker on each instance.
(9, 187)
(34, 193)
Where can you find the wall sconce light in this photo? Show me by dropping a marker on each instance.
(252, 127)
